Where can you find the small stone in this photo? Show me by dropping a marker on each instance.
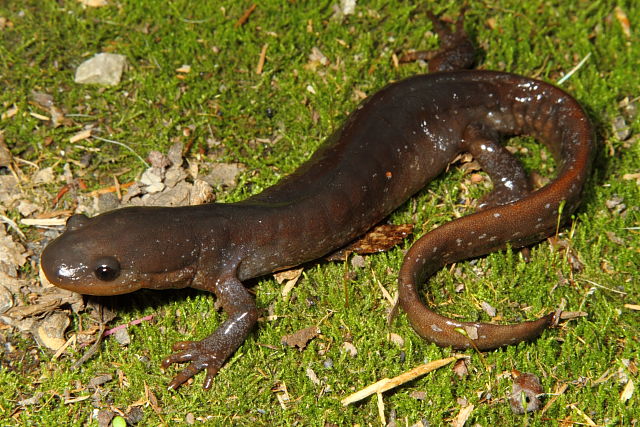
(26, 208)
(122, 336)
(102, 69)
(224, 174)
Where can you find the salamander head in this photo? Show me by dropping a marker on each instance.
(119, 252)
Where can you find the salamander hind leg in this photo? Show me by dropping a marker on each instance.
(456, 49)
(210, 353)
(508, 176)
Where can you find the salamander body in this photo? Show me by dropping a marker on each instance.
(396, 141)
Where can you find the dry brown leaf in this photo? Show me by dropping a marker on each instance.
(463, 416)
(49, 332)
(460, 368)
(627, 393)
(350, 349)
(5, 155)
(379, 239)
(9, 113)
(301, 338)
(291, 277)
(525, 394)
(396, 339)
(291, 274)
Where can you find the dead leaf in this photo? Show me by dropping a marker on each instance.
(418, 395)
(12, 254)
(614, 238)
(45, 102)
(301, 338)
(290, 274)
(568, 315)
(627, 393)
(291, 277)
(525, 394)
(312, 376)
(350, 349)
(396, 339)
(570, 254)
(12, 111)
(460, 368)
(33, 400)
(5, 155)
(97, 381)
(44, 176)
(49, 332)
(488, 308)
(463, 416)
(6, 299)
(201, 192)
(471, 332)
(379, 239)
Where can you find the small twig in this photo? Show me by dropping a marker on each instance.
(574, 69)
(72, 340)
(125, 325)
(111, 189)
(122, 145)
(44, 222)
(385, 292)
(263, 55)
(92, 350)
(389, 383)
(561, 389)
(597, 285)
(11, 223)
(247, 13)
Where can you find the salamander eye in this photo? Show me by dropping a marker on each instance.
(107, 269)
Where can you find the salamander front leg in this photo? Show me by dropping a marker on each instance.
(214, 350)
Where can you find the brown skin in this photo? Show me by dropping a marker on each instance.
(389, 148)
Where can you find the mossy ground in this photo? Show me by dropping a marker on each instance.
(223, 99)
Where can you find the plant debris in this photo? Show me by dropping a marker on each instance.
(379, 239)
(526, 393)
(301, 338)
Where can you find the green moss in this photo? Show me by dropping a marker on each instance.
(222, 97)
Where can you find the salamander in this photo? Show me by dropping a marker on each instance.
(389, 148)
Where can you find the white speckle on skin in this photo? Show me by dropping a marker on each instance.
(436, 328)
(69, 272)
